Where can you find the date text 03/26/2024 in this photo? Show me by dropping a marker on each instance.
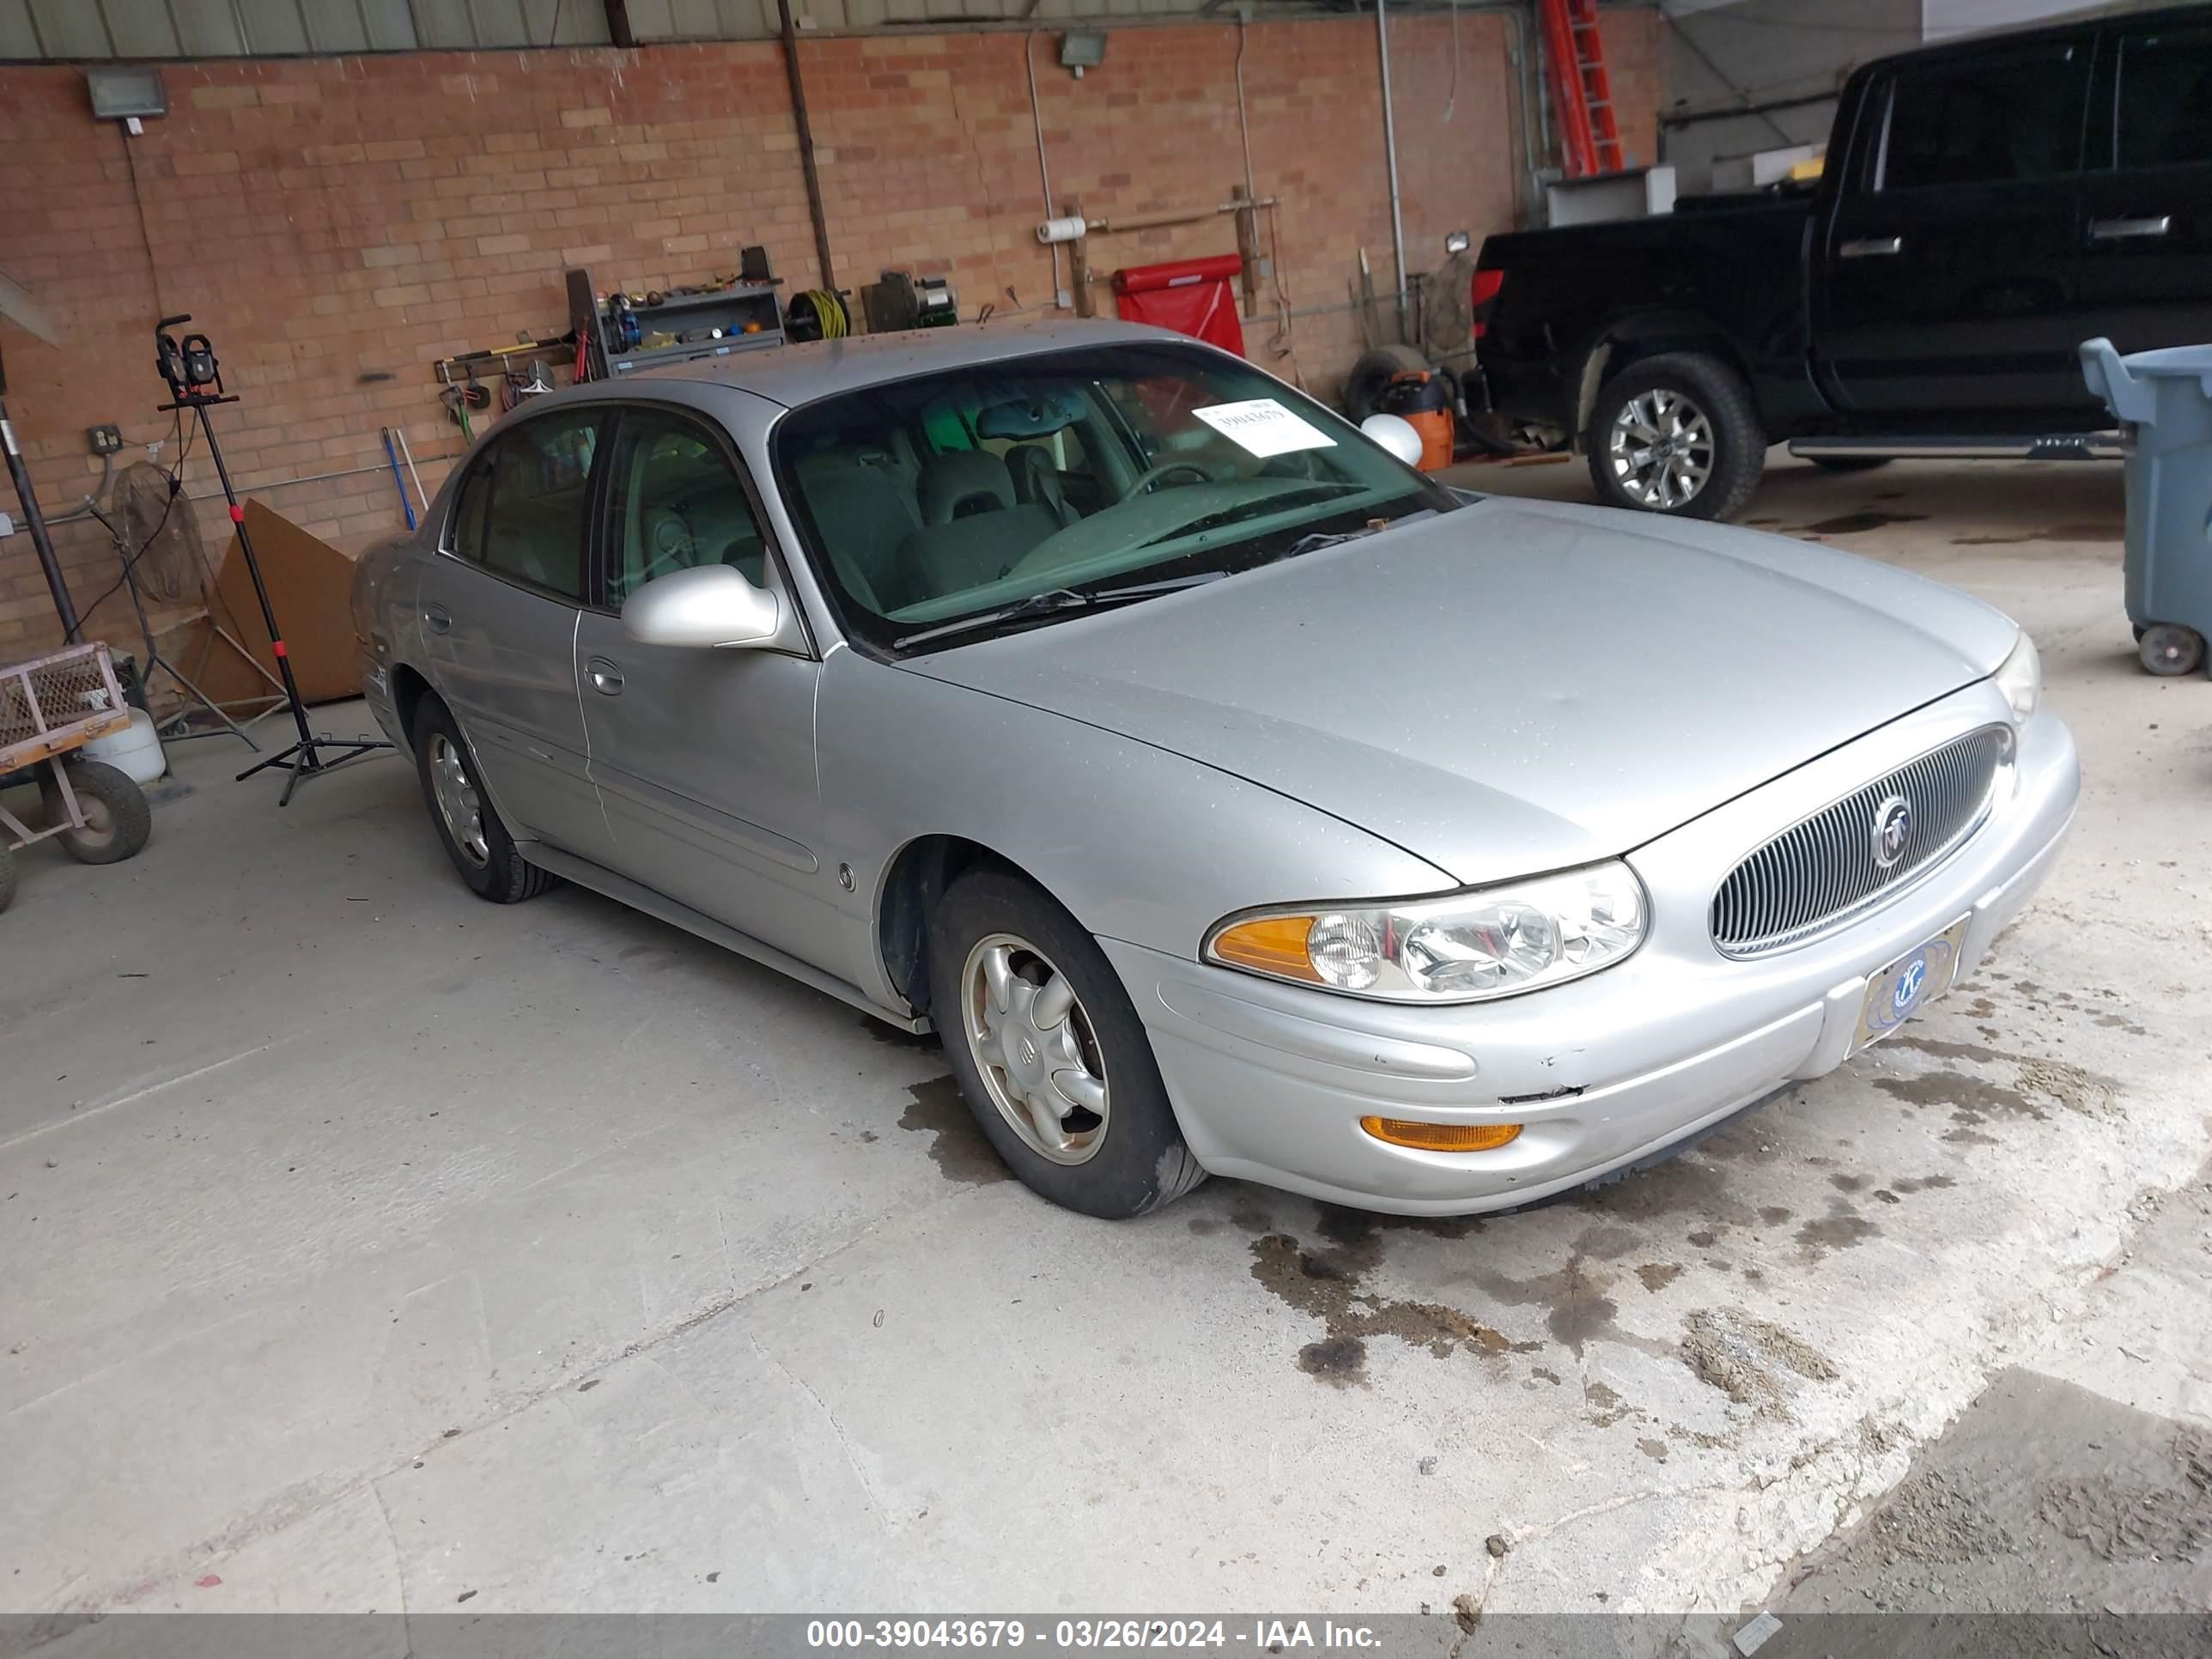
(1273, 1636)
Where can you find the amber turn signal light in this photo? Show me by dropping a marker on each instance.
(1270, 945)
(1440, 1136)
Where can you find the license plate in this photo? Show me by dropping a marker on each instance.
(1910, 984)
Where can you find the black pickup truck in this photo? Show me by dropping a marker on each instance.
(1985, 206)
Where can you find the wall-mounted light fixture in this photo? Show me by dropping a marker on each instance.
(126, 94)
(1082, 49)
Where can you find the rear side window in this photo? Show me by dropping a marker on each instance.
(521, 512)
(1986, 120)
(2162, 116)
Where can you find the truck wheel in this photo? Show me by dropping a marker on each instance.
(2167, 650)
(1676, 433)
(1850, 462)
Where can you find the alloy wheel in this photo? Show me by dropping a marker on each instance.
(1661, 448)
(1036, 1049)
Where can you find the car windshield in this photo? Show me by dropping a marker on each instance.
(946, 508)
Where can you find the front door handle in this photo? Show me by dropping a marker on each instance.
(437, 618)
(607, 678)
(2121, 230)
(1872, 247)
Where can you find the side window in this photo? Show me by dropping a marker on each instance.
(2162, 116)
(467, 538)
(521, 512)
(677, 503)
(1986, 119)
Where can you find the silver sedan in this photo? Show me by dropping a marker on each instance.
(1229, 796)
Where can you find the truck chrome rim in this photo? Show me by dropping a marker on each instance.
(1035, 1050)
(1661, 448)
(459, 803)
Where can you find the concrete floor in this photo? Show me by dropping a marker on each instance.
(363, 1246)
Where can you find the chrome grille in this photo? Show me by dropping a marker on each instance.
(1822, 871)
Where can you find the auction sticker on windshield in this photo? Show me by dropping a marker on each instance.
(1264, 427)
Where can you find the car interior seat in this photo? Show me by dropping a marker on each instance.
(973, 529)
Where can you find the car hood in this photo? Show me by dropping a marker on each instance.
(1514, 686)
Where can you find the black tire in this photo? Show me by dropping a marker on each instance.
(2167, 650)
(502, 875)
(117, 819)
(1141, 1161)
(1712, 388)
(1850, 462)
(7, 875)
(1370, 377)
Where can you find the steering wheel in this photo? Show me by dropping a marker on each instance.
(1164, 472)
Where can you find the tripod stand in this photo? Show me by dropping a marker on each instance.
(190, 369)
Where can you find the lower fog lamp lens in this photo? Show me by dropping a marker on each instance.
(1441, 1137)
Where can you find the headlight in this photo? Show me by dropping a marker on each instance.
(1467, 947)
(2020, 679)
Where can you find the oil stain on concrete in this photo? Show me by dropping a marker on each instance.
(1327, 1283)
(956, 1145)
(1854, 524)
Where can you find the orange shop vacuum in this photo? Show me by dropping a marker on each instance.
(1419, 395)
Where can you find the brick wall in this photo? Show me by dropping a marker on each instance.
(339, 224)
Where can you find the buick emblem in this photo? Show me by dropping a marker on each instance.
(1892, 832)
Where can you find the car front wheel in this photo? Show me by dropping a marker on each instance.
(1676, 433)
(1049, 1052)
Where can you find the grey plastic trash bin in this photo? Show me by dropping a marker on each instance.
(2164, 400)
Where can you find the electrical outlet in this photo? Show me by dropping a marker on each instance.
(104, 439)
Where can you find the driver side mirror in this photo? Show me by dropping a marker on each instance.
(710, 607)
(1392, 432)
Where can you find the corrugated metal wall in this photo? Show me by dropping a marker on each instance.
(36, 30)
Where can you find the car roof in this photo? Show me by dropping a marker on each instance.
(795, 374)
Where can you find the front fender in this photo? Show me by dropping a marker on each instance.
(1140, 844)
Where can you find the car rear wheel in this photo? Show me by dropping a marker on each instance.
(1676, 433)
(469, 825)
(1049, 1052)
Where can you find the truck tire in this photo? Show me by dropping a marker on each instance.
(1676, 433)
(1370, 377)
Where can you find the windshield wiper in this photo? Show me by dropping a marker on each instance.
(1044, 604)
(1253, 509)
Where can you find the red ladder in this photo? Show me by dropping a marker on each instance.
(1588, 134)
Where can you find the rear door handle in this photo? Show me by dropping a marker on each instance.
(2121, 230)
(607, 678)
(437, 618)
(1872, 247)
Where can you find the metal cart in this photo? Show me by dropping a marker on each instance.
(50, 707)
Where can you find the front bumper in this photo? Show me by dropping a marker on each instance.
(1270, 1080)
